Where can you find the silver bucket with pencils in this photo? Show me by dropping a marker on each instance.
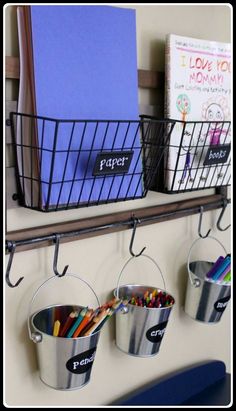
(65, 361)
(141, 323)
(206, 298)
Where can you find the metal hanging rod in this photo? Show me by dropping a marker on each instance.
(117, 225)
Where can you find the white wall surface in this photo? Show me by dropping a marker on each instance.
(100, 259)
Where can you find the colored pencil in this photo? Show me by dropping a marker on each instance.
(96, 321)
(69, 321)
(77, 322)
(56, 328)
(83, 323)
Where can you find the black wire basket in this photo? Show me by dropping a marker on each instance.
(197, 156)
(65, 164)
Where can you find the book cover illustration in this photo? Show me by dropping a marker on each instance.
(81, 64)
(198, 96)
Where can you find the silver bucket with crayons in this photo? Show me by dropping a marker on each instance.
(65, 363)
(139, 329)
(205, 299)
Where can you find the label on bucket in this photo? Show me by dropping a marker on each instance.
(221, 304)
(82, 362)
(156, 333)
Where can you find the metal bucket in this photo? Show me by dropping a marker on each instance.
(205, 299)
(64, 363)
(140, 330)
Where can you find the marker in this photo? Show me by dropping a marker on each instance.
(221, 268)
(227, 278)
(224, 273)
(77, 322)
(56, 328)
(215, 266)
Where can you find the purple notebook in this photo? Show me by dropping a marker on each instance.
(85, 68)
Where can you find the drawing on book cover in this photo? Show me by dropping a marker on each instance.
(184, 106)
(198, 97)
(215, 111)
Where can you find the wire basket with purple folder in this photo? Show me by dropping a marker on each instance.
(65, 164)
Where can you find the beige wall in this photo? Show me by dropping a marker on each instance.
(99, 260)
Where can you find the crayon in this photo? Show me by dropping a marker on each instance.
(154, 293)
(83, 323)
(77, 322)
(56, 328)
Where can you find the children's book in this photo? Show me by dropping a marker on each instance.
(198, 96)
(78, 63)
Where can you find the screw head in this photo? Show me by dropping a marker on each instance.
(36, 337)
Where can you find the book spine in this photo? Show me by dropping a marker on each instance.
(167, 77)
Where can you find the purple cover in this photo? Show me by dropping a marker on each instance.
(85, 67)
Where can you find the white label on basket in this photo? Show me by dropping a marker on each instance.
(217, 154)
(221, 304)
(82, 362)
(156, 333)
(113, 162)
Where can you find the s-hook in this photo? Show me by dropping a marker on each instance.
(221, 215)
(135, 221)
(56, 240)
(200, 224)
(12, 249)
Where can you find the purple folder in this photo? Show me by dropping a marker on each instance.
(85, 68)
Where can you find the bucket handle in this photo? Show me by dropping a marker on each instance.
(125, 265)
(36, 336)
(196, 282)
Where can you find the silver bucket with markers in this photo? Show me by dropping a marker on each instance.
(140, 330)
(64, 363)
(205, 299)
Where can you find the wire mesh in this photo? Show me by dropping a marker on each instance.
(64, 164)
(197, 156)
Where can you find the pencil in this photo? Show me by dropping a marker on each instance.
(68, 323)
(84, 322)
(56, 328)
(96, 321)
(77, 322)
(115, 307)
(109, 303)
